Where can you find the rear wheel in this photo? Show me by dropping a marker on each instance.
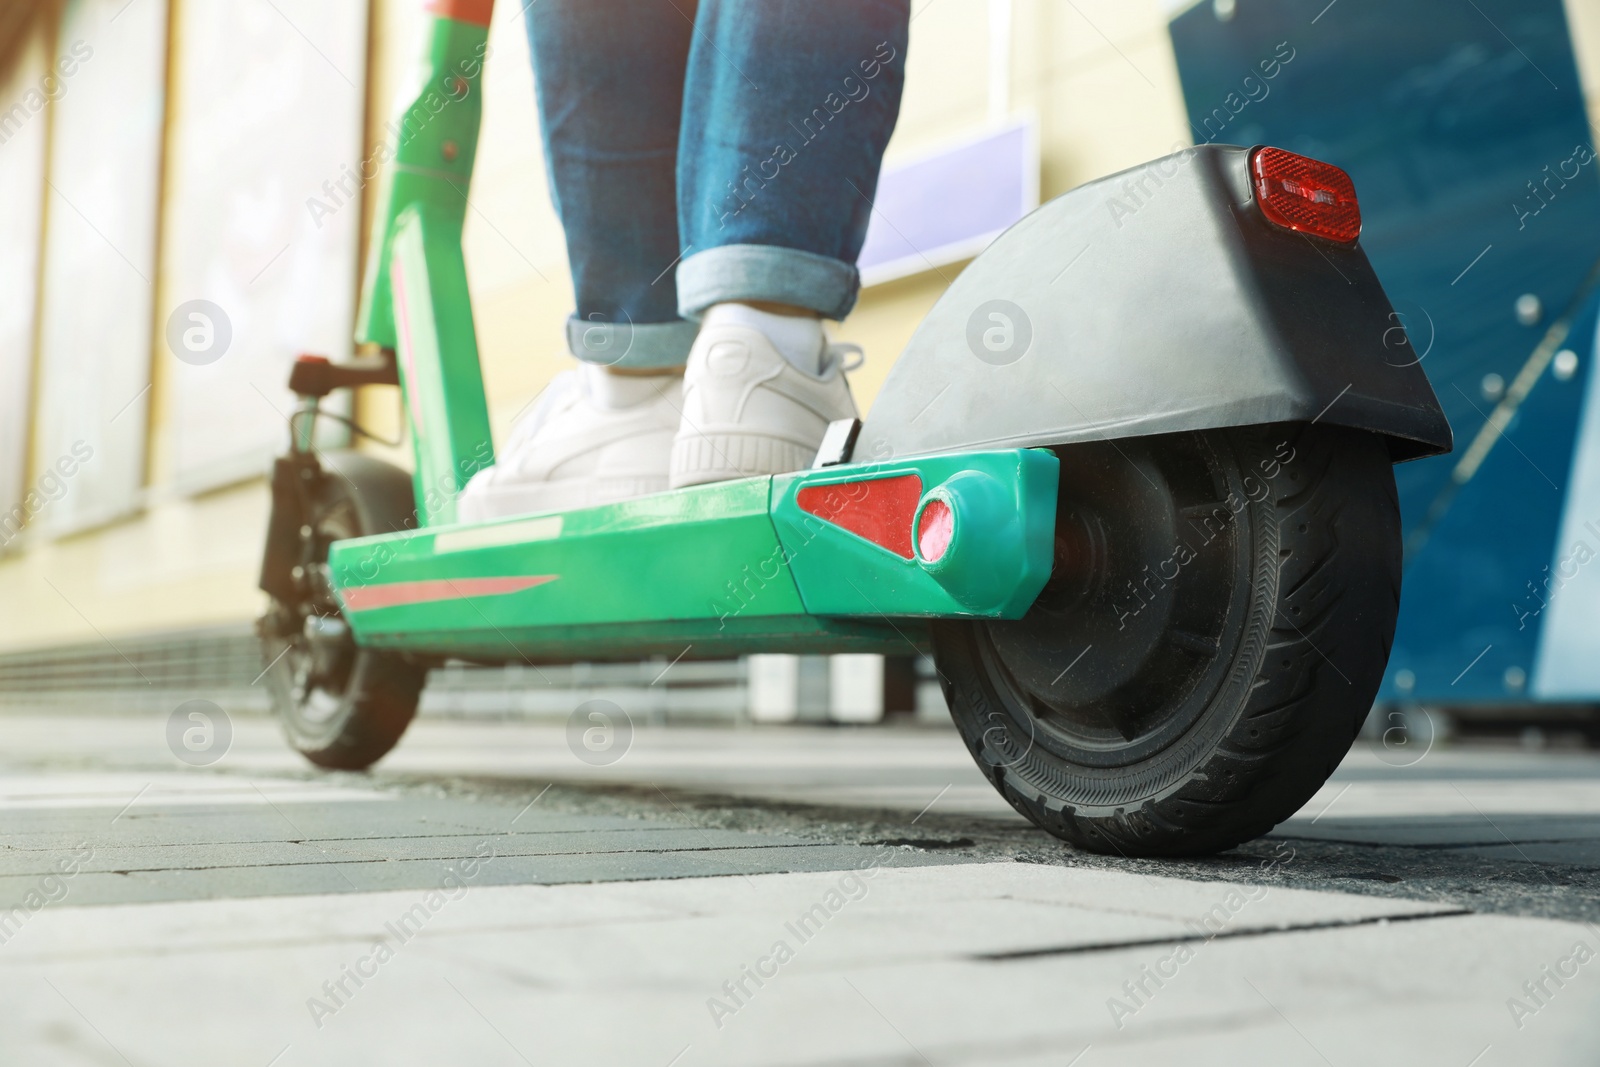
(342, 706)
(1212, 636)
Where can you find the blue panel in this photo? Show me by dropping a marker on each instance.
(1463, 126)
(1467, 589)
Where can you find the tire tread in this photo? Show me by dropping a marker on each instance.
(1334, 589)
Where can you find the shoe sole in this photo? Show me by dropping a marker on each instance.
(719, 457)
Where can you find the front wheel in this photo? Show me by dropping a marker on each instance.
(1212, 636)
(342, 706)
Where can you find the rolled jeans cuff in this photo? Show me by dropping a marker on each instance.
(634, 345)
(770, 273)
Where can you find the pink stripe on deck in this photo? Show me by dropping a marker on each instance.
(394, 594)
(397, 290)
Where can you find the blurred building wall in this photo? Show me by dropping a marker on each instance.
(177, 163)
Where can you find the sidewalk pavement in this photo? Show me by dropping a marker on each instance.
(765, 896)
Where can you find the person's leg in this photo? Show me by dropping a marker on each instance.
(788, 107)
(609, 81)
(609, 84)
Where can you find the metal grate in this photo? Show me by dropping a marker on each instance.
(138, 673)
(219, 658)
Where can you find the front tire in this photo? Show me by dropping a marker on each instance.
(342, 706)
(1212, 637)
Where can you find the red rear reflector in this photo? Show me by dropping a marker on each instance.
(878, 509)
(1306, 195)
(935, 527)
(476, 12)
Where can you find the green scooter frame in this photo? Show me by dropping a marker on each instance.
(817, 561)
(813, 561)
(1190, 551)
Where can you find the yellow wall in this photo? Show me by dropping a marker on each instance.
(1099, 75)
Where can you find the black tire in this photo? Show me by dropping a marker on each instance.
(1161, 700)
(342, 706)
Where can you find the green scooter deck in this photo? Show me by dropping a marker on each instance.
(851, 558)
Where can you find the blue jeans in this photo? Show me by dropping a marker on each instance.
(711, 151)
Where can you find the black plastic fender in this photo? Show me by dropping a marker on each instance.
(383, 496)
(1151, 301)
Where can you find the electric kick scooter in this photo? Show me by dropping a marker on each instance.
(1129, 484)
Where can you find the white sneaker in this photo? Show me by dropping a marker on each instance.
(748, 411)
(570, 451)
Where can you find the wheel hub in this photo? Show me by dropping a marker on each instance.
(1113, 661)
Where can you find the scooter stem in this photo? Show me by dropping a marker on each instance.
(414, 298)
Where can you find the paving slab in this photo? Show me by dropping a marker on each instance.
(1446, 831)
(918, 964)
(360, 851)
(121, 840)
(632, 914)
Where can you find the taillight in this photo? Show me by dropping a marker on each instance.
(1306, 195)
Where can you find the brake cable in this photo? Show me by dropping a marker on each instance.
(351, 423)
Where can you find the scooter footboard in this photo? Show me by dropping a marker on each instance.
(820, 560)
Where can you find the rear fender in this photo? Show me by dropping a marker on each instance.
(1153, 301)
